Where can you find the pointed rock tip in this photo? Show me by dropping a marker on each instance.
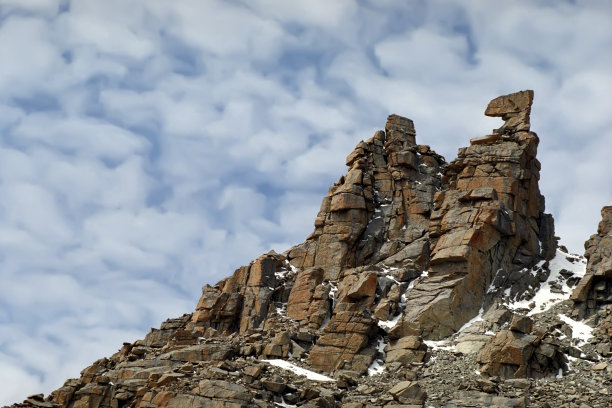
(510, 104)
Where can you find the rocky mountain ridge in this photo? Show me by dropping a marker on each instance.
(424, 283)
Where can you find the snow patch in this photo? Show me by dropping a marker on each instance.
(580, 331)
(544, 298)
(311, 375)
(475, 319)
(393, 279)
(332, 291)
(389, 324)
(282, 310)
(283, 403)
(288, 268)
(439, 345)
(378, 365)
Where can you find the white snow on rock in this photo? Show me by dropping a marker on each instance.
(474, 319)
(378, 365)
(580, 331)
(389, 324)
(311, 375)
(440, 344)
(288, 268)
(283, 403)
(544, 298)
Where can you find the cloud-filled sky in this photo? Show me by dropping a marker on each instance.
(150, 147)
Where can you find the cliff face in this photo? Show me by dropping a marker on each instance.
(594, 291)
(407, 248)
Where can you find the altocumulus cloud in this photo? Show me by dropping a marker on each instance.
(149, 147)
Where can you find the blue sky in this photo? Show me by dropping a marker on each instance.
(150, 147)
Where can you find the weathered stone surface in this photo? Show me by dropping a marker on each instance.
(408, 392)
(347, 332)
(200, 352)
(512, 354)
(241, 301)
(509, 104)
(406, 350)
(487, 220)
(224, 390)
(302, 293)
(358, 287)
(594, 291)
(483, 399)
(379, 208)
(280, 346)
(521, 324)
(405, 247)
(513, 108)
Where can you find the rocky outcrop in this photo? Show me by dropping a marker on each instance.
(380, 209)
(595, 289)
(242, 301)
(521, 352)
(489, 220)
(406, 249)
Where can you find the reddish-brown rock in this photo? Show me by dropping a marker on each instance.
(302, 293)
(490, 218)
(405, 247)
(379, 208)
(346, 334)
(241, 301)
(595, 289)
(512, 354)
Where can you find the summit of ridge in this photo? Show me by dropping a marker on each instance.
(424, 283)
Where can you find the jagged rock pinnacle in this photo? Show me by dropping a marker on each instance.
(406, 248)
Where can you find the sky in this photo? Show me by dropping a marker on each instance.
(150, 147)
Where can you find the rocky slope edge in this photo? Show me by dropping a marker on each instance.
(424, 283)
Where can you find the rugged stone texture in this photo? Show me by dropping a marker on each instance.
(242, 301)
(409, 349)
(300, 303)
(489, 220)
(405, 247)
(379, 208)
(408, 392)
(518, 354)
(346, 334)
(595, 289)
(514, 109)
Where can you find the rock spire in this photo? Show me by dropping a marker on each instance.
(406, 249)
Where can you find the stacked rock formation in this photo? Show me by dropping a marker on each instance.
(380, 209)
(594, 290)
(522, 352)
(489, 219)
(406, 248)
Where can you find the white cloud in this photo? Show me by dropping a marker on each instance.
(147, 148)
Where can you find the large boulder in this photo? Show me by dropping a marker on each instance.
(516, 354)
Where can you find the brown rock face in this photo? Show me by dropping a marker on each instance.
(489, 220)
(241, 302)
(380, 209)
(406, 350)
(308, 300)
(405, 247)
(515, 354)
(514, 109)
(346, 334)
(595, 289)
